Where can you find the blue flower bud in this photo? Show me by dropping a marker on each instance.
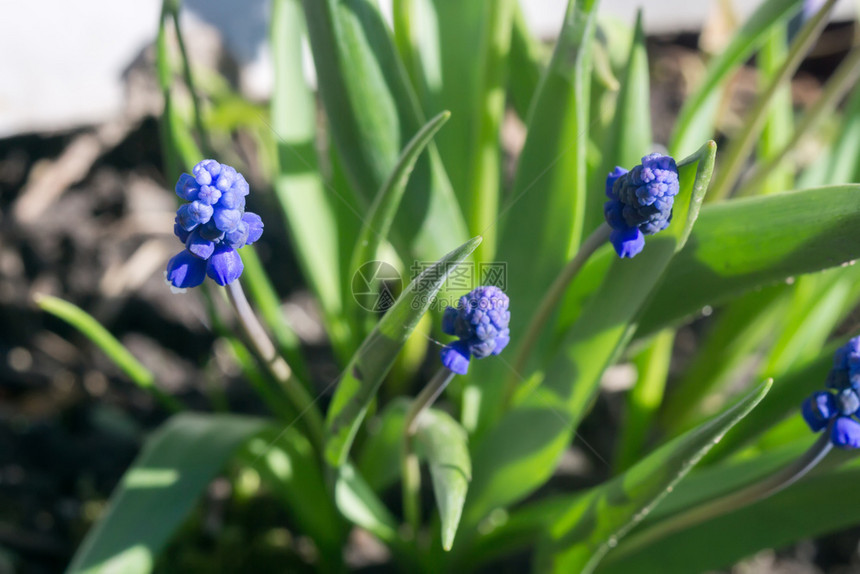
(481, 322)
(180, 231)
(211, 232)
(212, 226)
(226, 178)
(231, 199)
(208, 195)
(187, 187)
(206, 171)
(455, 357)
(449, 317)
(628, 242)
(640, 202)
(225, 265)
(227, 219)
(837, 409)
(847, 402)
(255, 227)
(185, 270)
(199, 246)
(613, 176)
(818, 409)
(845, 433)
(237, 238)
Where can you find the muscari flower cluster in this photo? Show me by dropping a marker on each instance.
(640, 202)
(837, 409)
(213, 225)
(480, 320)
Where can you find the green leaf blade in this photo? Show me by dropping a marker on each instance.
(159, 490)
(444, 444)
(817, 505)
(379, 218)
(595, 521)
(104, 340)
(744, 244)
(372, 112)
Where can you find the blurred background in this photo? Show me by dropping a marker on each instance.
(86, 214)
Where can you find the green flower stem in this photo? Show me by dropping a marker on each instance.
(275, 364)
(733, 501)
(410, 466)
(549, 303)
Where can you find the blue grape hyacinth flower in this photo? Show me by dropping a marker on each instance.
(640, 202)
(212, 225)
(837, 408)
(480, 321)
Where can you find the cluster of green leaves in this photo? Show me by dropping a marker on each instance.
(388, 186)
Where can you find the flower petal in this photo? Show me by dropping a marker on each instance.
(455, 357)
(187, 188)
(199, 246)
(185, 270)
(225, 265)
(449, 318)
(818, 409)
(845, 433)
(255, 227)
(627, 242)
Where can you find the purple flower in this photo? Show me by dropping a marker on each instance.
(213, 225)
(640, 202)
(480, 321)
(836, 409)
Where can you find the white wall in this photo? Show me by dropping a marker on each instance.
(61, 62)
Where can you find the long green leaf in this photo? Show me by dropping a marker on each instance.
(486, 169)
(159, 490)
(444, 444)
(374, 358)
(696, 119)
(645, 398)
(788, 392)
(594, 522)
(372, 112)
(379, 218)
(548, 196)
(628, 134)
(379, 459)
(747, 243)
(312, 224)
(104, 340)
(779, 124)
(814, 506)
(357, 501)
(735, 335)
(510, 463)
(432, 36)
(527, 63)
